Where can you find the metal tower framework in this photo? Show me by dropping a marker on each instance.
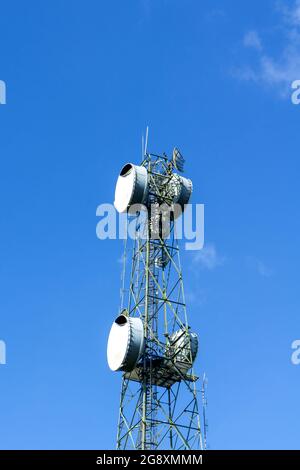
(158, 406)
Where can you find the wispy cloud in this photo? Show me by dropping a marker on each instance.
(215, 14)
(146, 7)
(252, 39)
(208, 258)
(264, 270)
(281, 69)
(259, 266)
(197, 297)
(291, 14)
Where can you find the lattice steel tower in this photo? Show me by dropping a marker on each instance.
(150, 340)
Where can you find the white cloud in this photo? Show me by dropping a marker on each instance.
(259, 266)
(263, 270)
(207, 258)
(252, 39)
(197, 297)
(278, 70)
(290, 14)
(146, 6)
(215, 14)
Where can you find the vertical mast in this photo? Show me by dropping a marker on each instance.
(158, 404)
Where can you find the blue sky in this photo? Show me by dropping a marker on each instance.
(83, 81)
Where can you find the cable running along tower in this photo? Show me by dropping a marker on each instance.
(151, 341)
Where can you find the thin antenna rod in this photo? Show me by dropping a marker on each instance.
(204, 406)
(146, 140)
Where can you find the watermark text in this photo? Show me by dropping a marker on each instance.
(135, 224)
(2, 352)
(2, 92)
(295, 357)
(295, 96)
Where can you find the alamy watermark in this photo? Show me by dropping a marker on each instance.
(134, 224)
(295, 357)
(295, 96)
(2, 92)
(2, 352)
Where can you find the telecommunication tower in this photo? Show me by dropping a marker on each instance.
(151, 341)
